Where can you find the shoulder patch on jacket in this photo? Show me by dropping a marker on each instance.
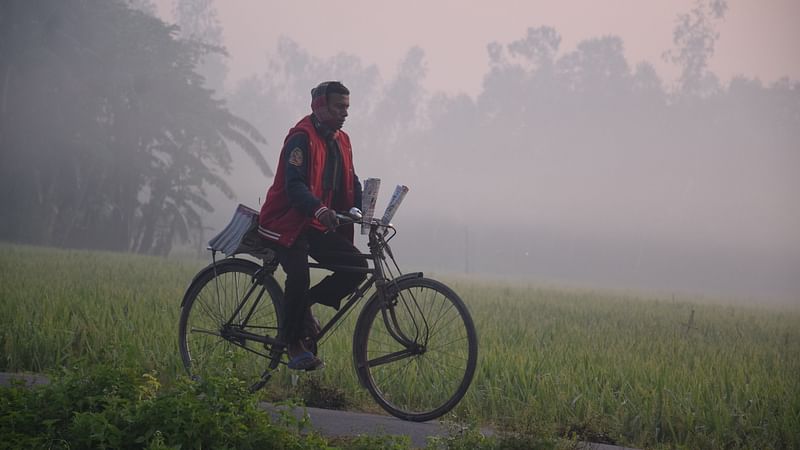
(296, 157)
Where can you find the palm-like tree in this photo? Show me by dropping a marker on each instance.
(113, 139)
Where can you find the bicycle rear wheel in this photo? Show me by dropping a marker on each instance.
(209, 322)
(416, 353)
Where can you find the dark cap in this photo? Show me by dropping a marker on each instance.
(329, 87)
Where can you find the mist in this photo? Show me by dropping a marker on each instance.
(571, 165)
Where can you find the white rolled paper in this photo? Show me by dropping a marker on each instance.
(397, 197)
(369, 198)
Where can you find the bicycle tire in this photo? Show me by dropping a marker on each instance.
(436, 373)
(212, 299)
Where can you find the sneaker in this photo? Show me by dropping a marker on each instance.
(306, 361)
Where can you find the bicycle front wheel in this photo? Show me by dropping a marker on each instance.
(416, 351)
(226, 310)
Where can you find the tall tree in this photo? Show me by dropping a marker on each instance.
(108, 137)
(198, 21)
(695, 36)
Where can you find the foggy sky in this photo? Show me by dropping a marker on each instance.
(757, 38)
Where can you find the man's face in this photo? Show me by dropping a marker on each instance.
(338, 105)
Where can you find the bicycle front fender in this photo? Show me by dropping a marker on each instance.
(391, 286)
(213, 267)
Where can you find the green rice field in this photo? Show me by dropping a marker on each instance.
(629, 369)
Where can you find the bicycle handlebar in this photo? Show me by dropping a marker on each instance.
(354, 217)
(346, 219)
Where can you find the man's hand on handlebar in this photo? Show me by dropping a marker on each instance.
(328, 218)
(332, 219)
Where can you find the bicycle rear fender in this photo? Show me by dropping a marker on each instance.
(215, 266)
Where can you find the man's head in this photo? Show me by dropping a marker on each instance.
(330, 102)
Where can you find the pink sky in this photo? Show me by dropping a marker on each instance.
(758, 38)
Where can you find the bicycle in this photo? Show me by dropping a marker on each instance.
(415, 347)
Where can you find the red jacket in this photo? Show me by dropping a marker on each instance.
(278, 220)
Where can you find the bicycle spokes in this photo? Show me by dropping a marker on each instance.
(227, 322)
(417, 352)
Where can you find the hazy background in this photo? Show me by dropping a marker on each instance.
(757, 39)
(626, 144)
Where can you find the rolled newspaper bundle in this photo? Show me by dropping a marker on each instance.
(369, 198)
(394, 203)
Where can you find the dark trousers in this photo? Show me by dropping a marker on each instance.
(325, 248)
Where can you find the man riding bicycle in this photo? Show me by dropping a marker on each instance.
(314, 179)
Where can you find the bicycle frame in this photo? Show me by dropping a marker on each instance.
(377, 244)
(379, 247)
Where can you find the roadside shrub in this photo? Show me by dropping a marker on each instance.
(108, 407)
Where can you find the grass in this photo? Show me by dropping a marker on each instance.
(630, 371)
(601, 366)
(72, 307)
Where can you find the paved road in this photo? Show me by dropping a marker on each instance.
(332, 423)
(343, 423)
(27, 378)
